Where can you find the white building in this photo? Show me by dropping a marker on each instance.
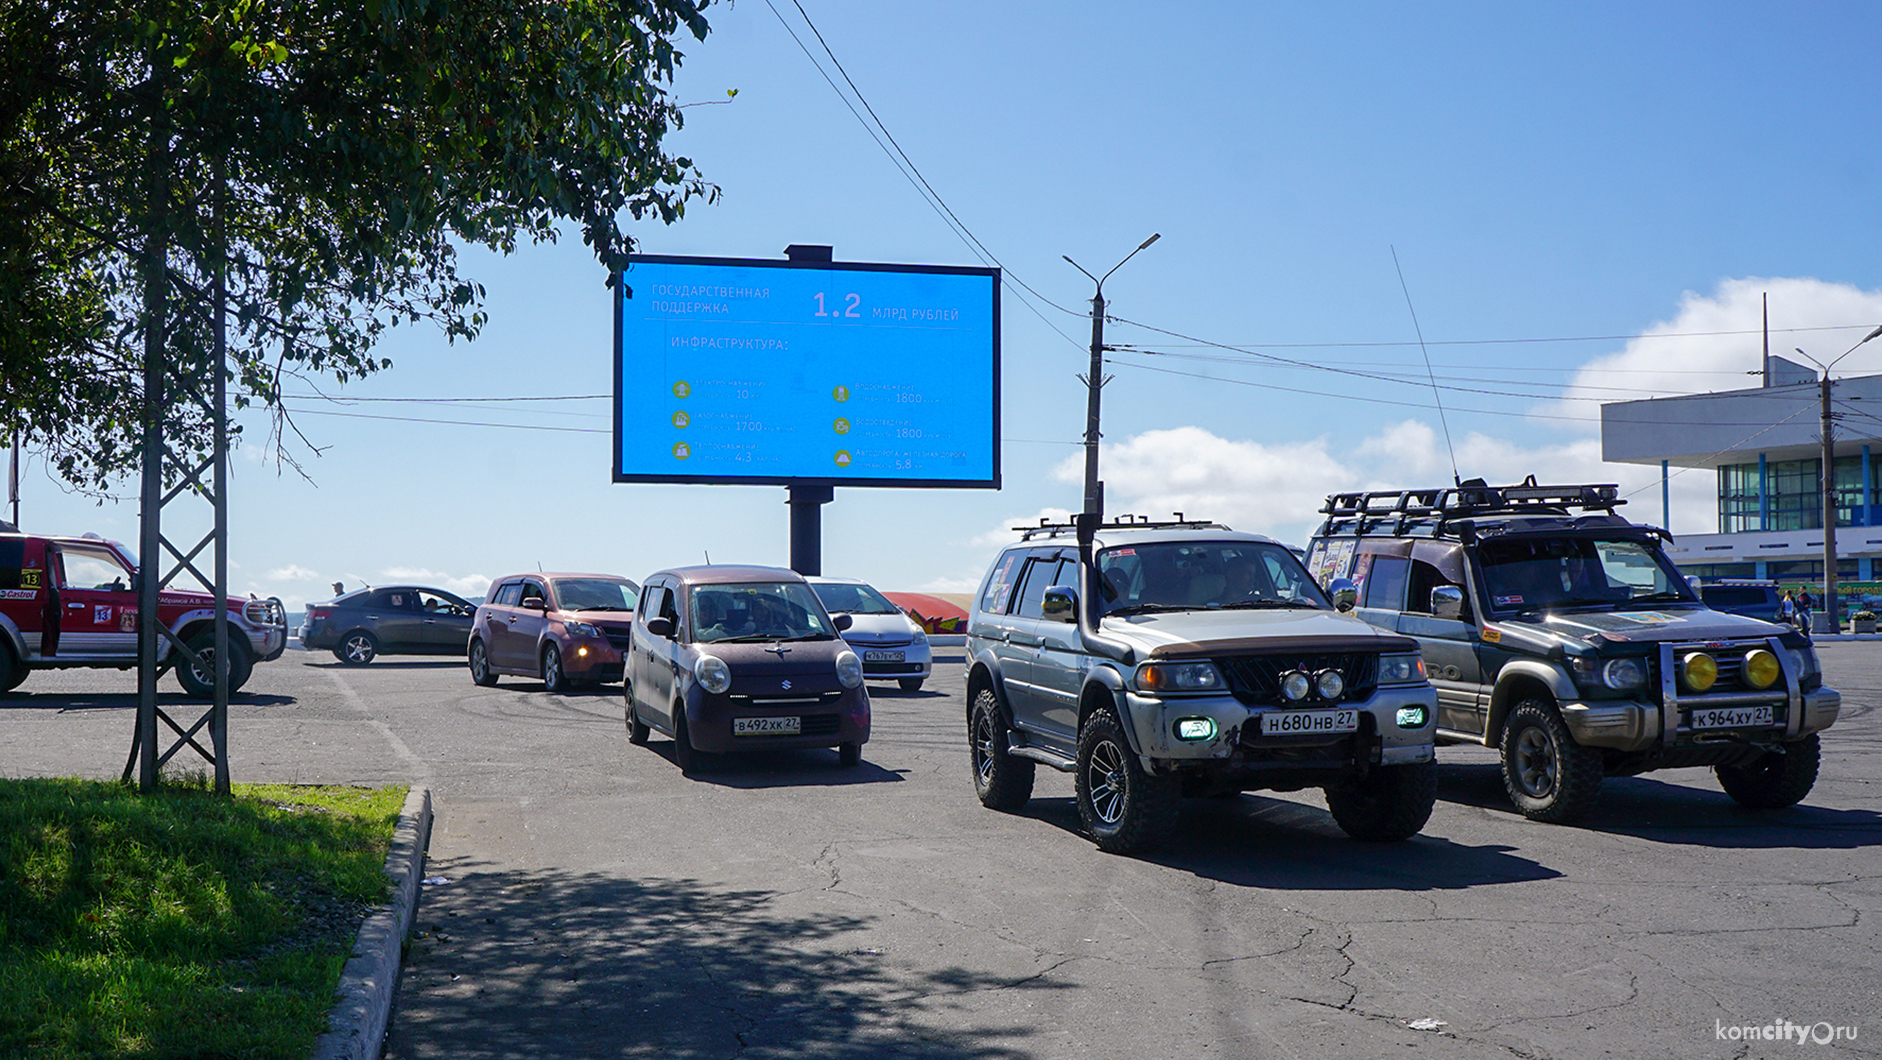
(1765, 446)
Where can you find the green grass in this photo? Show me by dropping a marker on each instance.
(181, 924)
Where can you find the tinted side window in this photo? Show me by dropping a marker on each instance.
(669, 605)
(1041, 574)
(532, 589)
(995, 595)
(1714, 595)
(650, 599)
(508, 594)
(1385, 583)
(12, 558)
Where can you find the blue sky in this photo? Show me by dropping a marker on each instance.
(1618, 175)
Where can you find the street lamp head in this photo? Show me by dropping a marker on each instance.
(1154, 236)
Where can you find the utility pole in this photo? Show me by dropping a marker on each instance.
(1094, 381)
(1828, 481)
(1829, 511)
(13, 477)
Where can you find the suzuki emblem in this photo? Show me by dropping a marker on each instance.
(787, 685)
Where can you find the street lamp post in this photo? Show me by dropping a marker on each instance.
(1828, 480)
(1094, 381)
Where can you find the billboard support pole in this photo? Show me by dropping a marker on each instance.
(807, 503)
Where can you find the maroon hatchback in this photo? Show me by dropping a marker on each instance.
(735, 658)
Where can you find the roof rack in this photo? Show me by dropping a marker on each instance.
(1126, 521)
(1423, 512)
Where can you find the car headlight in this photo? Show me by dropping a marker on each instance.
(581, 629)
(1295, 686)
(1330, 684)
(1408, 669)
(1804, 661)
(921, 635)
(1622, 674)
(1179, 677)
(1761, 669)
(849, 669)
(1699, 670)
(713, 675)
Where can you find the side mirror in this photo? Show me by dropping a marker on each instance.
(1060, 605)
(843, 621)
(660, 626)
(1344, 593)
(534, 603)
(1447, 601)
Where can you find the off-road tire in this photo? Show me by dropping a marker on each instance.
(12, 674)
(849, 754)
(1386, 805)
(1548, 775)
(480, 671)
(200, 683)
(1776, 778)
(909, 684)
(1002, 781)
(357, 648)
(637, 730)
(1123, 808)
(554, 678)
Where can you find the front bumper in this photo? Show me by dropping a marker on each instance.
(825, 720)
(591, 659)
(917, 660)
(1238, 727)
(1631, 725)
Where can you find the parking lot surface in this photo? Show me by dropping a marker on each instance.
(598, 903)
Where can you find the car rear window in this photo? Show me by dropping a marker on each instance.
(1733, 595)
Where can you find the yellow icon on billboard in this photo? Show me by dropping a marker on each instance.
(841, 425)
(681, 420)
(841, 393)
(682, 389)
(842, 458)
(682, 451)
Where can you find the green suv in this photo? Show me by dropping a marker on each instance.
(1559, 633)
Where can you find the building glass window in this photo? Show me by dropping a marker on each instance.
(1738, 498)
(1796, 494)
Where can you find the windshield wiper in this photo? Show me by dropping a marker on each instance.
(1261, 603)
(1138, 609)
(1666, 596)
(604, 607)
(809, 636)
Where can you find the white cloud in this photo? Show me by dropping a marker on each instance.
(293, 572)
(1686, 354)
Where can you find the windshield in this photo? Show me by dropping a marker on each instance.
(596, 594)
(757, 611)
(1532, 574)
(853, 598)
(1193, 575)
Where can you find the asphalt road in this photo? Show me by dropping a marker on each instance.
(600, 904)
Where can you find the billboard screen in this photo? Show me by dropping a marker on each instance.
(736, 370)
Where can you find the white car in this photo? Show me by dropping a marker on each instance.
(892, 646)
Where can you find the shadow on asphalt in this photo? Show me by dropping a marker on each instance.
(1255, 841)
(809, 767)
(1681, 814)
(542, 964)
(174, 704)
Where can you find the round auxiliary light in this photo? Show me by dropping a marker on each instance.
(1699, 670)
(1295, 686)
(1329, 684)
(1761, 668)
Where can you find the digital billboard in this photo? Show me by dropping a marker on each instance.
(738, 370)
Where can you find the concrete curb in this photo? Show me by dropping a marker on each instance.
(356, 1028)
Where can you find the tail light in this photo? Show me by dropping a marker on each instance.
(315, 614)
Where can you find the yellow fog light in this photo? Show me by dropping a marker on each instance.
(582, 651)
(1699, 670)
(1761, 668)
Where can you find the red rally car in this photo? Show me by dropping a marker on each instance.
(72, 601)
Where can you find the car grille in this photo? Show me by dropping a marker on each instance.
(820, 725)
(617, 635)
(1257, 678)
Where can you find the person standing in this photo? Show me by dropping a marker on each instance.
(1787, 609)
(1803, 611)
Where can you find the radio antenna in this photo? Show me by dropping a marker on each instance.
(1456, 480)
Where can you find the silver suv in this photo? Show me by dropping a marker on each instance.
(1157, 660)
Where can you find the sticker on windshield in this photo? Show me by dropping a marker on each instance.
(1507, 601)
(1650, 618)
(1123, 552)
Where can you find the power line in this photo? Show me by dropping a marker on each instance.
(911, 172)
(1517, 341)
